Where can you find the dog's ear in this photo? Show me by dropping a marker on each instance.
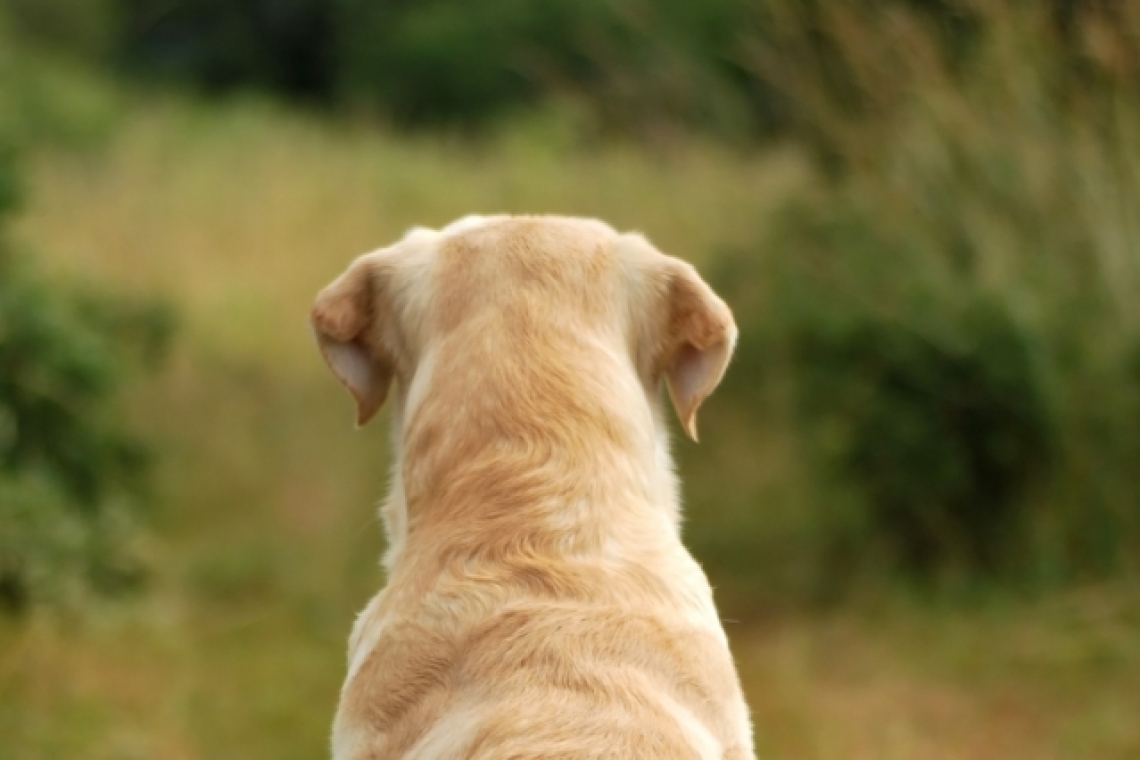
(699, 339)
(345, 319)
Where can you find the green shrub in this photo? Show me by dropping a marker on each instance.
(955, 315)
(70, 471)
(939, 428)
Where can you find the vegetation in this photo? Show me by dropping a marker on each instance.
(652, 68)
(69, 473)
(916, 490)
(953, 316)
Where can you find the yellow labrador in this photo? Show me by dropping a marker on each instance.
(539, 602)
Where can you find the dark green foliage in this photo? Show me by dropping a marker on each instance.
(943, 328)
(70, 472)
(406, 58)
(940, 440)
(282, 45)
(729, 67)
(449, 61)
(945, 433)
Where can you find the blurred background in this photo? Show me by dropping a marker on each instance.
(918, 491)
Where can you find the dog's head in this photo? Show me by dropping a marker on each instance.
(518, 285)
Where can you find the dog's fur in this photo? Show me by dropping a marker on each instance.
(539, 603)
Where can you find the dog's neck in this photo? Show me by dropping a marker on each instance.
(565, 452)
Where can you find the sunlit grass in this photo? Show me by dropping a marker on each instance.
(239, 215)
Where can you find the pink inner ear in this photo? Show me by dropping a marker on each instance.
(353, 366)
(688, 372)
(692, 377)
(340, 317)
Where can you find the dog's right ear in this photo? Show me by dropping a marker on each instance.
(700, 337)
(346, 319)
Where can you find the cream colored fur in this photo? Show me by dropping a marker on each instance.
(539, 602)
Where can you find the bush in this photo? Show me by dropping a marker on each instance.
(955, 315)
(939, 424)
(70, 473)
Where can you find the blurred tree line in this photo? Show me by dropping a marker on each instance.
(736, 68)
(443, 62)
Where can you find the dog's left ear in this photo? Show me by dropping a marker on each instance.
(347, 320)
(700, 336)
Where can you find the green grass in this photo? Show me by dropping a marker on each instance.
(971, 234)
(265, 542)
(1046, 679)
(976, 252)
(187, 676)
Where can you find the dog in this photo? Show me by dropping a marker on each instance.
(539, 602)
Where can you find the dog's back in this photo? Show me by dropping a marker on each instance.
(539, 601)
